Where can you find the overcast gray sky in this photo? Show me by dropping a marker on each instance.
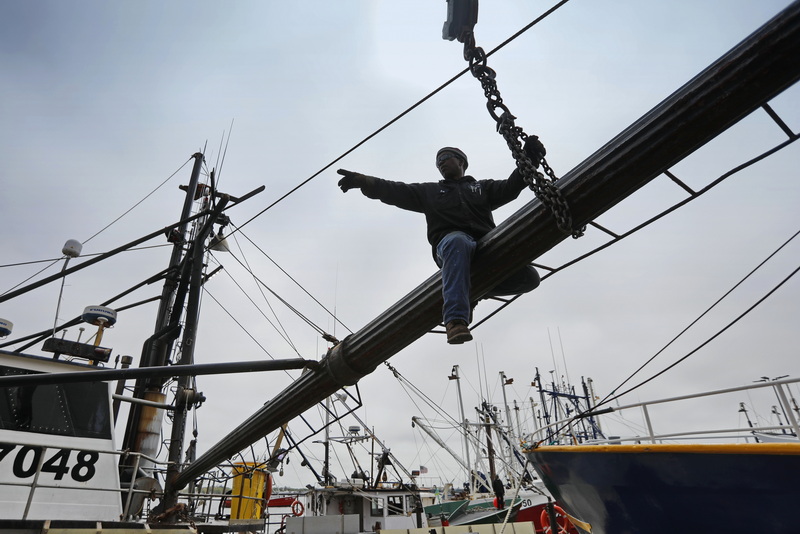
(103, 101)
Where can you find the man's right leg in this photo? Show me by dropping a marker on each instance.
(454, 254)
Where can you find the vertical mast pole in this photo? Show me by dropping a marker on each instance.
(504, 382)
(512, 435)
(519, 424)
(185, 394)
(464, 424)
(143, 431)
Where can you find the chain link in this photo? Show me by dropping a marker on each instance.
(542, 186)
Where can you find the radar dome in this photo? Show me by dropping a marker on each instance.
(98, 315)
(5, 327)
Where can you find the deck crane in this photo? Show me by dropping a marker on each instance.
(741, 81)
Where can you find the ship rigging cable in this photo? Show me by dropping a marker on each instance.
(325, 335)
(453, 423)
(264, 296)
(282, 330)
(402, 114)
(333, 315)
(251, 336)
(709, 340)
(614, 395)
(611, 396)
(148, 195)
(693, 195)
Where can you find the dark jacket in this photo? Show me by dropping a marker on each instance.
(449, 205)
(497, 486)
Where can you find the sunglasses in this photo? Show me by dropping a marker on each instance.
(444, 156)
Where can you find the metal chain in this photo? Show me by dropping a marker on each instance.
(542, 186)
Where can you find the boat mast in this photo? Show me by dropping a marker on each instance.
(464, 425)
(487, 422)
(545, 420)
(511, 438)
(591, 401)
(505, 382)
(186, 394)
(326, 473)
(143, 431)
(343, 399)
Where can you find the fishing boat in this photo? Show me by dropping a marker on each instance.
(349, 506)
(379, 496)
(526, 498)
(60, 465)
(704, 479)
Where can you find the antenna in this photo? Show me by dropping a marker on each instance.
(71, 249)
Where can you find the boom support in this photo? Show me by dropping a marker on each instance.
(746, 77)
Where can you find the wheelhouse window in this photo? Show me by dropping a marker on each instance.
(78, 409)
(376, 508)
(395, 504)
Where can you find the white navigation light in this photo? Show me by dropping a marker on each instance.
(72, 248)
(218, 242)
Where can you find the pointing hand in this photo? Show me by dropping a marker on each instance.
(350, 180)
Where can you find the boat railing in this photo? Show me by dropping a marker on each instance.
(562, 431)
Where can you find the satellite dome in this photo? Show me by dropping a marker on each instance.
(5, 327)
(98, 315)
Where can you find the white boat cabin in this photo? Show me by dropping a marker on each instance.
(351, 509)
(56, 445)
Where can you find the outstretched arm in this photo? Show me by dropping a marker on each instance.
(402, 195)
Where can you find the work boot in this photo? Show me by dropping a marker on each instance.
(458, 332)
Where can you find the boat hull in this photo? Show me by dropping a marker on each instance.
(653, 489)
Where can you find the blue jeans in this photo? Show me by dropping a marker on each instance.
(454, 255)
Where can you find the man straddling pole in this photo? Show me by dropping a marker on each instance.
(458, 210)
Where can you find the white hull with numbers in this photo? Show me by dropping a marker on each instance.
(57, 449)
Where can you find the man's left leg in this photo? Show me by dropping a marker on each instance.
(525, 280)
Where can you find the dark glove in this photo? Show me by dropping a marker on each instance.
(351, 180)
(534, 149)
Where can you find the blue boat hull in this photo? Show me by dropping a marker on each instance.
(652, 489)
